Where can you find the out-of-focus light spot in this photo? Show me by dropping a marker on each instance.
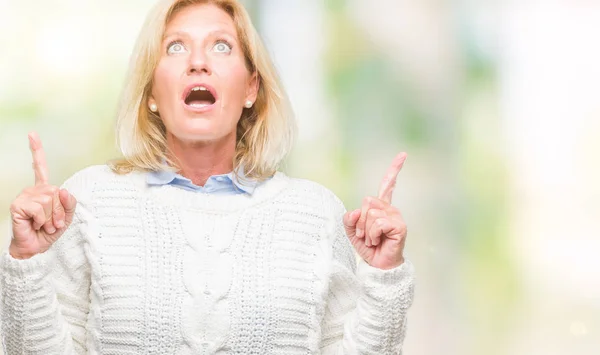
(578, 329)
(63, 50)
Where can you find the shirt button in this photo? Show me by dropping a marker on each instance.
(207, 292)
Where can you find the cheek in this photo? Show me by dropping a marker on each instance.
(236, 78)
(164, 79)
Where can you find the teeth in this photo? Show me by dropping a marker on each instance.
(199, 88)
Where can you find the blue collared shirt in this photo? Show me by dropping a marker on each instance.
(226, 184)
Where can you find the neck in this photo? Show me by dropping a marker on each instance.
(200, 160)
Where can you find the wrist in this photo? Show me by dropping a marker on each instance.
(15, 254)
(394, 265)
(387, 266)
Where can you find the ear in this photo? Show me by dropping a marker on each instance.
(252, 88)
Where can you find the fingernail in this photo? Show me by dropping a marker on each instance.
(359, 232)
(52, 230)
(60, 224)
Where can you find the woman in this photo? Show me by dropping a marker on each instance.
(193, 243)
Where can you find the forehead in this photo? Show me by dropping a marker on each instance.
(199, 17)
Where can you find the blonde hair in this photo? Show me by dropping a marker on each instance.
(265, 132)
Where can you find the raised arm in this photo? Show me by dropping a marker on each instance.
(367, 303)
(44, 276)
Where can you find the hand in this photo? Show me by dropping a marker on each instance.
(377, 230)
(41, 213)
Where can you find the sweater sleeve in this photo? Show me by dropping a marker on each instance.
(44, 300)
(366, 307)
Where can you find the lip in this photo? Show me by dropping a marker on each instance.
(187, 91)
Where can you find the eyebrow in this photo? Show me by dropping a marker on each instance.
(210, 34)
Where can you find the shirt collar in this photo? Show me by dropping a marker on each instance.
(239, 181)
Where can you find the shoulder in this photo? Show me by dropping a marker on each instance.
(315, 193)
(84, 182)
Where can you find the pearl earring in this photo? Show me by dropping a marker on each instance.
(153, 107)
(249, 104)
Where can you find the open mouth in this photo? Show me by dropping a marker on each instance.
(199, 97)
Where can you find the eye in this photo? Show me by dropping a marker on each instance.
(175, 48)
(222, 47)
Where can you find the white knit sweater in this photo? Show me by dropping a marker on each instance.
(162, 270)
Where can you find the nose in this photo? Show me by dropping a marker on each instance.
(198, 63)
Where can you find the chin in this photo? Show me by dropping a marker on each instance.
(201, 128)
(205, 133)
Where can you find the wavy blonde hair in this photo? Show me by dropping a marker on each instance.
(265, 132)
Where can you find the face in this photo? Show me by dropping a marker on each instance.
(201, 84)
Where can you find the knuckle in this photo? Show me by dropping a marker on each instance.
(52, 189)
(362, 217)
(346, 217)
(21, 201)
(58, 212)
(13, 207)
(46, 200)
(403, 229)
(38, 209)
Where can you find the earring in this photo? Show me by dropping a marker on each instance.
(153, 107)
(249, 104)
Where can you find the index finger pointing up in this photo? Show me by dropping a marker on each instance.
(39, 159)
(386, 188)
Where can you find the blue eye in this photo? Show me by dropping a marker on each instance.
(222, 47)
(175, 48)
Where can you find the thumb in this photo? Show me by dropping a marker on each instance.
(69, 203)
(350, 220)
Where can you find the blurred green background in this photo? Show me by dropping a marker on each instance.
(496, 103)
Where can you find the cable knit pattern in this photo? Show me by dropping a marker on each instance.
(162, 270)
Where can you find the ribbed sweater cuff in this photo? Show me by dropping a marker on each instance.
(35, 268)
(372, 276)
